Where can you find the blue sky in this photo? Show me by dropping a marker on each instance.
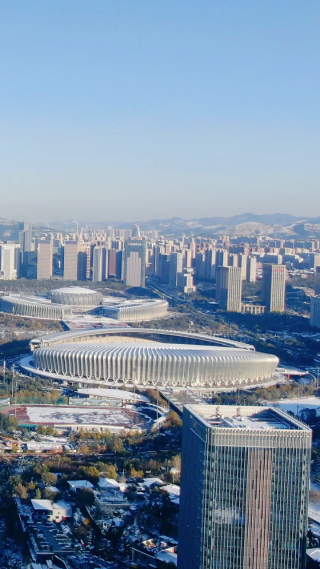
(137, 109)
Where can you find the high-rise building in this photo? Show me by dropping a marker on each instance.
(71, 249)
(44, 259)
(84, 262)
(229, 288)
(176, 267)
(210, 264)
(243, 264)
(317, 283)
(26, 245)
(112, 263)
(201, 265)
(274, 287)
(119, 263)
(244, 488)
(134, 261)
(187, 261)
(10, 261)
(99, 255)
(158, 250)
(233, 260)
(251, 269)
(222, 258)
(25, 237)
(164, 268)
(136, 232)
(315, 311)
(30, 265)
(314, 260)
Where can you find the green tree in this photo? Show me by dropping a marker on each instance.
(90, 473)
(85, 497)
(136, 473)
(21, 491)
(49, 479)
(172, 420)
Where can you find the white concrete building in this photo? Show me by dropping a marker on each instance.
(45, 510)
(10, 261)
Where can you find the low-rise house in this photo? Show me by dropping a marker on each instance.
(154, 554)
(76, 485)
(111, 501)
(44, 446)
(173, 491)
(45, 510)
(151, 482)
(168, 555)
(111, 484)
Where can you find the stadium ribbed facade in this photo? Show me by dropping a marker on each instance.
(157, 364)
(33, 308)
(136, 310)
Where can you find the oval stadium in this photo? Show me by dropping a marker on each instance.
(146, 358)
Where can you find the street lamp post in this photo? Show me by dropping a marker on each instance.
(15, 398)
(12, 382)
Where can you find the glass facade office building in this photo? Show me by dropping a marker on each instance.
(134, 263)
(244, 489)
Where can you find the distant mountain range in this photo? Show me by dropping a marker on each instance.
(278, 224)
(245, 224)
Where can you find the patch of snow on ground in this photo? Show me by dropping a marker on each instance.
(78, 415)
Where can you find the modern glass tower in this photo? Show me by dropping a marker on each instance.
(244, 489)
(134, 261)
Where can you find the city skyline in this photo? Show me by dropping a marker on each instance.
(160, 284)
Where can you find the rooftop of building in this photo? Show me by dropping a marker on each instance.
(73, 290)
(112, 394)
(48, 505)
(314, 554)
(80, 484)
(120, 302)
(246, 417)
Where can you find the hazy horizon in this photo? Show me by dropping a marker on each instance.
(134, 110)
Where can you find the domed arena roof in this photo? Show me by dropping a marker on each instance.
(75, 296)
(158, 364)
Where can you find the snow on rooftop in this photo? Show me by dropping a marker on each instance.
(52, 488)
(80, 484)
(43, 505)
(113, 393)
(314, 553)
(167, 555)
(78, 415)
(152, 481)
(172, 489)
(108, 483)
